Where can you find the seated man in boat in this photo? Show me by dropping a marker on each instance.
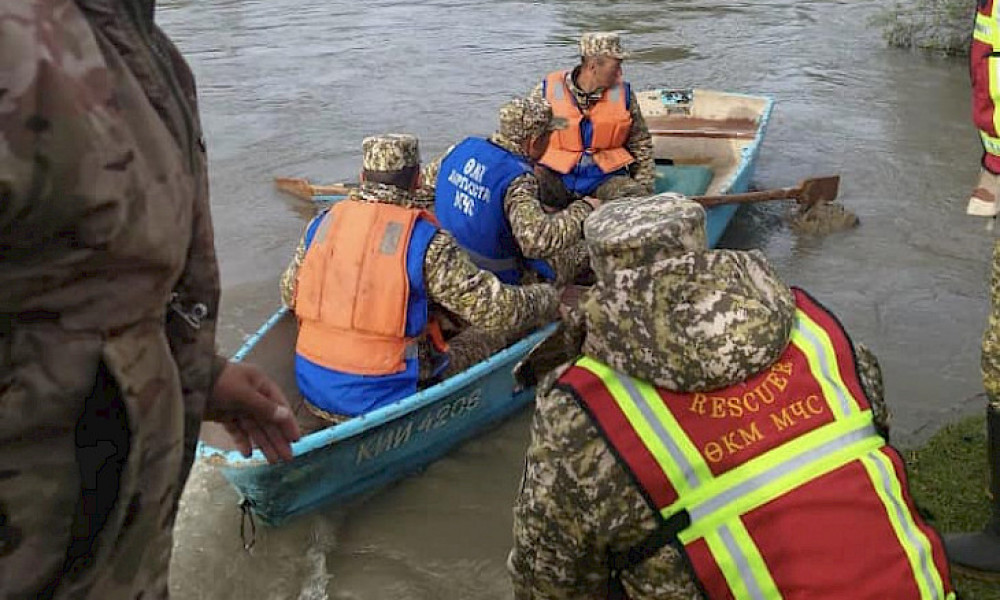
(369, 281)
(607, 150)
(515, 235)
(719, 437)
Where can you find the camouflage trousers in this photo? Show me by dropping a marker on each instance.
(990, 362)
(553, 192)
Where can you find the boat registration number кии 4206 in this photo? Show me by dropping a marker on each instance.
(427, 420)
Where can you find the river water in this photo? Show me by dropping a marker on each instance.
(290, 87)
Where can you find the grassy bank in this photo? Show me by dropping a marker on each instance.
(948, 477)
(934, 25)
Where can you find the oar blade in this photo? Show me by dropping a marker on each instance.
(295, 186)
(819, 190)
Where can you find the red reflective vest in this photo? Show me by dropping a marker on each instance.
(983, 68)
(784, 486)
(611, 124)
(352, 289)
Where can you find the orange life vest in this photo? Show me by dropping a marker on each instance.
(776, 487)
(352, 289)
(611, 124)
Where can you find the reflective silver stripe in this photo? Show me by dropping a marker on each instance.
(801, 461)
(615, 94)
(668, 442)
(492, 264)
(742, 563)
(824, 367)
(902, 517)
(558, 91)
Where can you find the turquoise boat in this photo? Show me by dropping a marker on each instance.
(705, 143)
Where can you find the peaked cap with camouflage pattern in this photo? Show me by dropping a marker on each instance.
(668, 310)
(525, 118)
(390, 152)
(602, 43)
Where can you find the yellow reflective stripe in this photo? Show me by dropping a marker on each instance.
(911, 538)
(815, 343)
(990, 143)
(741, 563)
(656, 427)
(984, 29)
(779, 471)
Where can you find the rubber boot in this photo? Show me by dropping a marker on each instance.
(978, 554)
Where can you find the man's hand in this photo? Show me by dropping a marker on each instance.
(569, 300)
(253, 411)
(594, 202)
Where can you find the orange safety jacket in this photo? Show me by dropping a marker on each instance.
(776, 487)
(611, 122)
(353, 290)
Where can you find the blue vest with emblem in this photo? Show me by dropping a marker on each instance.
(348, 394)
(468, 201)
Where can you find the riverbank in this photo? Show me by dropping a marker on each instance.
(948, 478)
(935, 25)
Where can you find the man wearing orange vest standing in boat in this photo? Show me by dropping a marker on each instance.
(720, 437)
(979, 553)
(606, 151)
(369, 282)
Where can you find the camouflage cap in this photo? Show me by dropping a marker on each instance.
(602, 43)
(390, 152)
(639, 231)
(668, 310)
(526, 118)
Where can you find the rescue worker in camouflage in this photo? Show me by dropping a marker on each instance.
(978, 553)
(726, 315)
(545, 244)
(109, 294)
(486, 310)
(601, 56)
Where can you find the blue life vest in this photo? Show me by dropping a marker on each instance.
(468, 201)
(348, 394)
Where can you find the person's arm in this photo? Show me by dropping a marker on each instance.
(554, 556)
(536, 92)
(870, 374)
(428, 180)
(477, 296)
(540, 234)
(640, 145)
(289, 279)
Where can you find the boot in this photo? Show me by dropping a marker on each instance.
(983, 200)
(978, 554)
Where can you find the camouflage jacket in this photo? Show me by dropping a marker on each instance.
(104, 222)
(640, 141)
(455, 286)
(577, 501)
(538, 234)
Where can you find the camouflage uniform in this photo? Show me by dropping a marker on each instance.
(455, 286)
(554, 237)
(104, 223)
(642, 172)
(991, 337)
(576, 500)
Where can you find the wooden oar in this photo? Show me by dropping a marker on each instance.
(808, 193)
(301, 188)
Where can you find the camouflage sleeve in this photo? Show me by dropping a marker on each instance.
(990, 357)
(870, 374)
(540, 234)
(477, 296)
(536, 92)
(640, 145)
(289, 278)
(575, 503)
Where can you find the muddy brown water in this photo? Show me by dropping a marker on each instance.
(290, 87)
